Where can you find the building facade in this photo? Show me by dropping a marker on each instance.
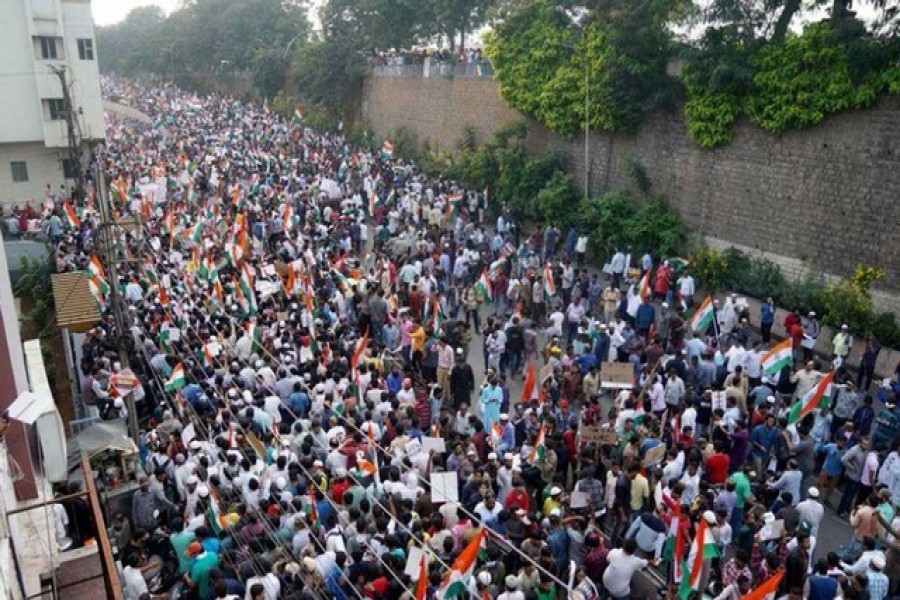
(37, 39)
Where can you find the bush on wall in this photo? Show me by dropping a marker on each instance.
(847, 301)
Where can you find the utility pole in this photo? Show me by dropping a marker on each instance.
(74, 139)
(110, 237)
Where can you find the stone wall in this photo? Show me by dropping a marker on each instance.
(818, 201)
(437, 109)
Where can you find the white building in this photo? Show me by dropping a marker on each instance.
(37, 36)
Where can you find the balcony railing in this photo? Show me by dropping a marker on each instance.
(433, 69)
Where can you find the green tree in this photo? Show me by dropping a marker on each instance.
(454, 17)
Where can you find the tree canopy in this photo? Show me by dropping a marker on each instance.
(207, 37)
(735, 57)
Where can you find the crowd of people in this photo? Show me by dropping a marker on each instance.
(308, 321)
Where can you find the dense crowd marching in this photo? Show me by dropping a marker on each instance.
(305, 315)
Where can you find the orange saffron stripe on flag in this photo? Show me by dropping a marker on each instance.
(768, 587)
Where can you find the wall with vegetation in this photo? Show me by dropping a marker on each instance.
(817, 201)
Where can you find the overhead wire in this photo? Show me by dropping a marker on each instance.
(344, 420)
(271, 531)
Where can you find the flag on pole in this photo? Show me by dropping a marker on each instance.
(540, 449)
(530, 382)
(484, 284)
(549, 286)
(197, 232)
(674, 549)
(818, 397)
(214, 514)
(387, 149)
(422, 583)
(777, 358)
(458, 580)
(99, 289)
(644, 287)
(313, 511)
(177, 380)
(298, 114)
(95, 268)
(703, 318)
(71, 216)
(361, 346)
(702, 548)
(287, 217)
(496, 435)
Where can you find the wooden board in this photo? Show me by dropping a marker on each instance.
(617, 376)
(595, 434)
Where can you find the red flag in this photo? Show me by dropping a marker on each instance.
(530, 379)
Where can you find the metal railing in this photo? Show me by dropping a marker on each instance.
(427, 70)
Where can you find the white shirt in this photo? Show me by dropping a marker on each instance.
(621, 568)
(689, 418)
(133, 584)
(270, 583)
(812, 512)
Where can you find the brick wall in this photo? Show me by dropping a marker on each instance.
(817, 201)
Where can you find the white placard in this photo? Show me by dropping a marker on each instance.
(413, 562)
(578, 499)
(436, 444)
(187, 434)
(772, 531)
(444, 487)
(413, 447)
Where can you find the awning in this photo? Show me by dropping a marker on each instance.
(76, 307)
(29, 407)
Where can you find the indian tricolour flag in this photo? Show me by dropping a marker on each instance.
(484, 284)
(298, 113)
(777, 358)
(644, 287)
(287, 218)
(71, 216)
(177, 380)
(253, 333)
(99, 289)
(197, 232)
(387, 149)
(818, 397)
(549, 286)
(214, 514)
(496, 435)
(674, 548)
(458, 581)
(702, 548)
(95, 268)
(540, 448)
(703, 318)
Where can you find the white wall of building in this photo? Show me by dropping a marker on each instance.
(44, 166)
(27, 85)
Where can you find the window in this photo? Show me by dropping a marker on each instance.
(57, 108)
(47, 48)
(19, 171)
(86, 49)
(69, 167)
